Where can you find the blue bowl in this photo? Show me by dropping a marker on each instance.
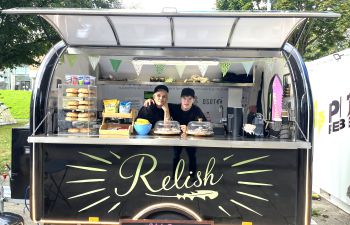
(142, 129)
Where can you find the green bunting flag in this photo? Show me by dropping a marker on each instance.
(72, 59)
(224, 67)
(115, 64)
(159, 68)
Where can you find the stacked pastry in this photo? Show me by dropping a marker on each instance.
(79, 105)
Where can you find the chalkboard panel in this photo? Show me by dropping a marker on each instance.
(164, 222)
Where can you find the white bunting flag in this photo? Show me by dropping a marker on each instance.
(180, 69)
(138, 67)
(94, 60)
(203, 68)
(247, 66)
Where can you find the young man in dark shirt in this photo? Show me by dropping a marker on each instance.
(187, 111)
(160, 109)
(184, 113)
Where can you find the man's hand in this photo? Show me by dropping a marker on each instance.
(148, 102)
(183, 128)
(165, 108)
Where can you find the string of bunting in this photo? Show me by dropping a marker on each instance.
(160, 68)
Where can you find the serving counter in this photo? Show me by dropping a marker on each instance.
(157, 140)
(220, 178)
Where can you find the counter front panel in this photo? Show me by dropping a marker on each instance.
(115, 182)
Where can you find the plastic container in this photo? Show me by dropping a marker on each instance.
(199, 128)
(124, 107)
(142, 129)
(167, 127)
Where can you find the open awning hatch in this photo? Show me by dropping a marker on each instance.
(217, 29)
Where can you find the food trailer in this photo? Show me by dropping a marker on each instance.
(243, 72)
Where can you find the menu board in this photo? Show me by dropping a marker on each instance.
(165, 222)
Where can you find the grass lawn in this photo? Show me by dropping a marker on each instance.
(18, 101)
(5, 141)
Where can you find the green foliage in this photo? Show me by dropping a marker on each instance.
(6, 141)
(23, 39)
(320, 37)
(234, 5)
(17, 101)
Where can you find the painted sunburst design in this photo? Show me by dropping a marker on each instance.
(205, 195)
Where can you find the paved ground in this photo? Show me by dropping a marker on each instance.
(325, 213)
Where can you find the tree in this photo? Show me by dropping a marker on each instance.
(24, 39)
(320, 37)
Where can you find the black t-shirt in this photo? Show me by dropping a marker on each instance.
(184, 117)
(154, 114)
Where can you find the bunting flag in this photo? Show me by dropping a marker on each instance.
(203, 68)
(224, 67)
(61, 60)
(115, 64)
(72, 59)
(137, 66)
(93, 59)
(180, 69)
(247, 66)
(159, 68)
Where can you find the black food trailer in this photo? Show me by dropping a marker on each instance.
(81, 176)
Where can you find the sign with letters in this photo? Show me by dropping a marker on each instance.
(116, 182)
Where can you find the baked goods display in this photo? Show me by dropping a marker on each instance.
(199, 128)
(167, 127)
(77, 109)
(197, 79)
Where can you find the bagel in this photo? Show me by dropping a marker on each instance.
(71, 107)
(83, 95)
(83, 90)
(68, 118)
(73, 103)
(72, 95)
(84, 107)
(72, 114)
(83, 115)
(72, 90)
(73, 130)
(84, 130)
(85, 102)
